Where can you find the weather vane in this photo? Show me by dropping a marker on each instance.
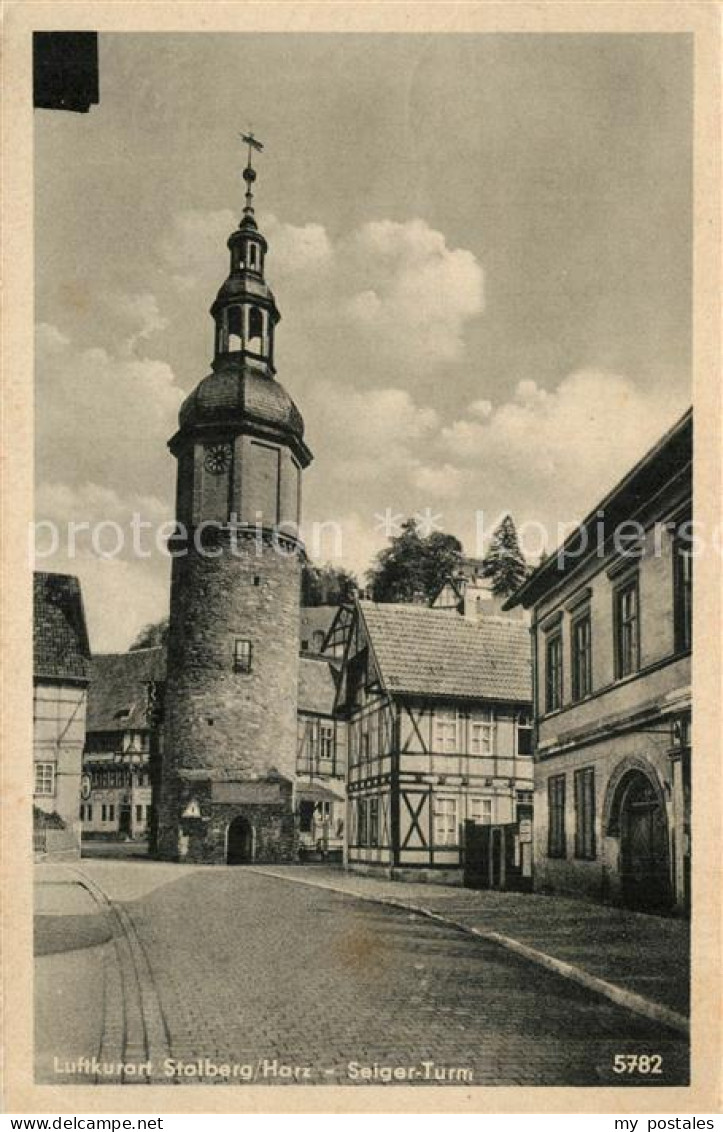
(252, 142)
(249, 173)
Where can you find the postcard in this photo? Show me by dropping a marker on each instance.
(362, 556)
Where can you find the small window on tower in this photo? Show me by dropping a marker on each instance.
(256, 330)
(234, 328)
(252, 255)
(242, 656)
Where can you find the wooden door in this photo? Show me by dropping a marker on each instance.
(644, 846)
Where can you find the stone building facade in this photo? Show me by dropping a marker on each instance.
(612, 638)
(232, 677)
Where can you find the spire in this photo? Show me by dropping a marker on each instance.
(245, 311)
(249, 175)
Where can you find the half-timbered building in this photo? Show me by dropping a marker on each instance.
(439, 734)
(116, 800)
(61, 671)
(320, 787)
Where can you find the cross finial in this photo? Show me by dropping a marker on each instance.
(249, 173)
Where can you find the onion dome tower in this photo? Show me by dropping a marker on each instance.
(231, 691)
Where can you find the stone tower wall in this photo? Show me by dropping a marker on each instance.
(220, 722)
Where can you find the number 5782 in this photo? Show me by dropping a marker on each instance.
(643, 1063)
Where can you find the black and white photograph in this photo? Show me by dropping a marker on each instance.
(363, 559)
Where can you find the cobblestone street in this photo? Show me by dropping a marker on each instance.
(290, 982)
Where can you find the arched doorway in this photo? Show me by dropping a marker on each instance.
(240, 842)
(638, 817)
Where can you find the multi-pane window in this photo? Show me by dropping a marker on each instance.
(445, 821)
(683, 590)
(242, 656)
(556, 845)
(585, 814)
(524, 734)
(361, 824)
(310, 739)
(581, 657)
(373, 821)
(480, 810)
(366, 747)
(44, 779)
(481, 735)
(446, 730)
(627, 637)
(381, 733)
(553, 672)
(326, 741)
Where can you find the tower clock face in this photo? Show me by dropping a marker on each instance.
(217, 459)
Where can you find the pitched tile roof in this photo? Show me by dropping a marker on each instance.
(317, 685)
(60, 638)
(118, 692)
(434, 652)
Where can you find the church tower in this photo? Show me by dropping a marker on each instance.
(229, 746)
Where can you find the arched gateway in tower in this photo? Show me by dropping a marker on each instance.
(231, 689)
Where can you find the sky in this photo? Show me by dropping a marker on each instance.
(480, 246)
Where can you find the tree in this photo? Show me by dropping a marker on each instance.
(326, 585)
(413, 568)
(151, 636)
(504, 562)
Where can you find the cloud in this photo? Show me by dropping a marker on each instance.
(368, 435)
(119, 598)
(97, 503)
(194, 249)
(386, 295)
(89, 531)
(411, 295)
(375, 321)
(442, 481)
(296, 248)
(546, 456)
(553, 454)
(480, 409)
(103, 417)
(134, 318)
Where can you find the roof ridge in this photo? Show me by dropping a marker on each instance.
(129, 652)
